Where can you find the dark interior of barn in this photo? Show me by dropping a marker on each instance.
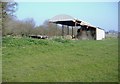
(86, 33)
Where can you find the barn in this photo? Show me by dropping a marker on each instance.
(85, 30)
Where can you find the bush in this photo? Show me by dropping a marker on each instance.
(10, 41)
(61, 40)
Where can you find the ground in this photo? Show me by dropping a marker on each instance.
(59, 60)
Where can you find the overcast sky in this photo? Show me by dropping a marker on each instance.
(101, 14)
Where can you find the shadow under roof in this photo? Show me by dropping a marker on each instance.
(64, 19)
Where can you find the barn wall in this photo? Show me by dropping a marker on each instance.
(100, 34)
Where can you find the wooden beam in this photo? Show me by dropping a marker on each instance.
(56, 31)
(75, 25)
(62, 30)
(72, 32)
(68, 30)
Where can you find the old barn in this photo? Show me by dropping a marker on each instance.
(85, 30)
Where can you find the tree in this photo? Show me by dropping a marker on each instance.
(51, 29)
(27, 26)
(8, 10)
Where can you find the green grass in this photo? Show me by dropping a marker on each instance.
(59, 60)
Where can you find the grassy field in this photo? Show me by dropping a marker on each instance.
(58, 60)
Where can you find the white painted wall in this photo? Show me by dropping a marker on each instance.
(100, 34)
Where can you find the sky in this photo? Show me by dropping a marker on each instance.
(100, 14)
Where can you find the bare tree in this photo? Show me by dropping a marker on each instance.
(51, 29)
(28, 26)
(16, 27)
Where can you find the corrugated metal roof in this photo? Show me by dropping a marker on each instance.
(68, 20)
(62, 17)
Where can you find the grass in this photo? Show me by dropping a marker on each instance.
(59, 60)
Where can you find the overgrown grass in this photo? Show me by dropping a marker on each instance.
(59, 60)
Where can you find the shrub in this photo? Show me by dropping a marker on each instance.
(61, 40)
(10, 41)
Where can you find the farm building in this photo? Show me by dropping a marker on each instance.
(86, 31)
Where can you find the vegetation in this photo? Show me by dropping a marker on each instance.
(12, 26)
(52, 60)
(7, 10)
(55, 60)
